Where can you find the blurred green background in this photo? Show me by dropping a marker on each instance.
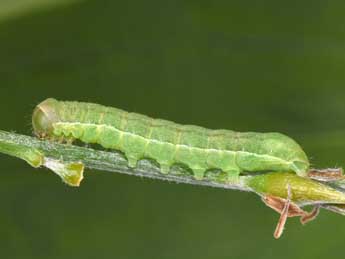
(242, 65)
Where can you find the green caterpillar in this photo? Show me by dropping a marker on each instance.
(168, 143)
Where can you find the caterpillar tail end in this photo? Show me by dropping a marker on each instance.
(70, 173)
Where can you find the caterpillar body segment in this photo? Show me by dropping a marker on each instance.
(168, 143)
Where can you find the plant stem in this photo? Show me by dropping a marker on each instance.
(52, 154)
(68, 161)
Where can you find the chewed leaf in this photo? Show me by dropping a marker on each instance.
(70, 173)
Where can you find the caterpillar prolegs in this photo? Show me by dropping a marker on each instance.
(169, 143)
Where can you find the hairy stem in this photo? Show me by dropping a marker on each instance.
(68, 161)
(62, 158)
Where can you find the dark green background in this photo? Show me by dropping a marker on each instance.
(242, 65)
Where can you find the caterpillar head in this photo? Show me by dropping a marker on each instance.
(44, 116)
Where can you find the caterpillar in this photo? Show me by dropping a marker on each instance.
(169, 143)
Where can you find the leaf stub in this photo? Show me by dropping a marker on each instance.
(31, 155)
(70, 173)
(303, 190)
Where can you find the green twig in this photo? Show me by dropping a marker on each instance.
(68, 161)
(56, 156)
